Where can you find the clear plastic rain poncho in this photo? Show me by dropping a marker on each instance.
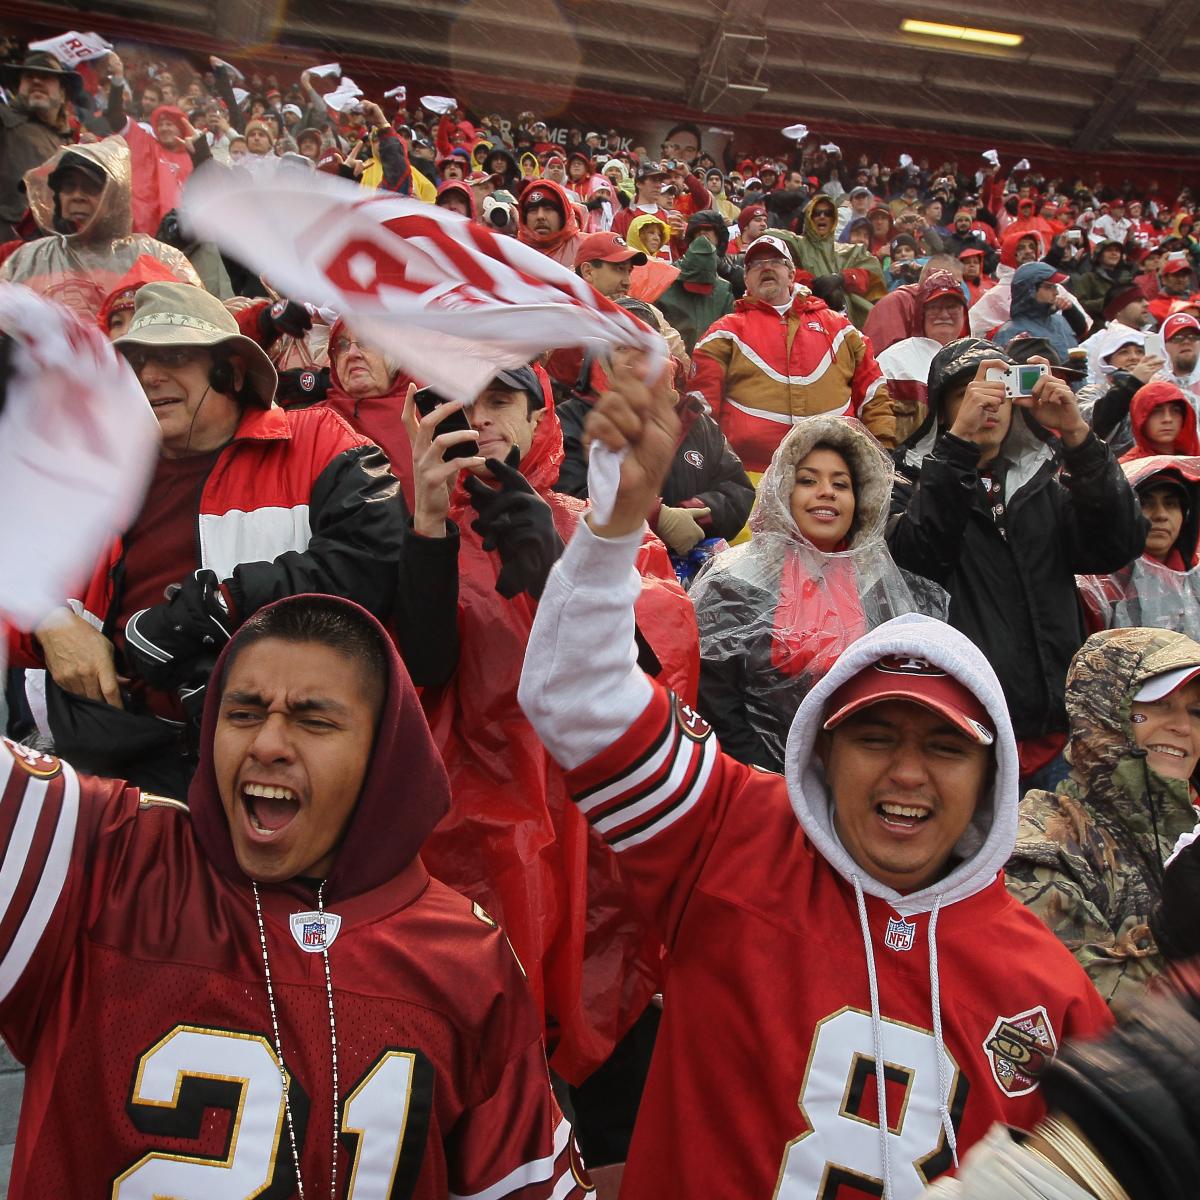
(80, 269)
(774, 613)
(1148, 592)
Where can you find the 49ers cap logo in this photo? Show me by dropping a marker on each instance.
(902, 664)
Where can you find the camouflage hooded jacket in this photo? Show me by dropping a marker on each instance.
(1089, 856)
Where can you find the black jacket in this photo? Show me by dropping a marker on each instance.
(705, 468)
(1013, 593)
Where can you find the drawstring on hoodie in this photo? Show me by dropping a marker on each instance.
(943, 1082)
(877, 1040)
(935, 995)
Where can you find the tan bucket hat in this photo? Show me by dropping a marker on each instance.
(181, 314)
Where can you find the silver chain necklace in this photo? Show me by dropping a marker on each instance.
(283, 1074)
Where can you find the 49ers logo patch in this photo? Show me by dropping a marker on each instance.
(1018, 1048)
(33, 762)
(690, 721)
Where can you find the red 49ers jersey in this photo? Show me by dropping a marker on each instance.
(132, 987)
(763, 1079)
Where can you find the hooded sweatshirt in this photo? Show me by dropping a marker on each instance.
(906, 363)
(699, 296)
(80, 269)
(783, 951)
(991, 310)
(126, 895)
(1160, 595)
(1028, 315)
(1089, 857)
(145, 270)
(560, 246)
(824, 255)
(511, 840)
(774, 613)
(456, 187)
(1153, 395)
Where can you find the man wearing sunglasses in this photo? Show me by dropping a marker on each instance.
(249, 503)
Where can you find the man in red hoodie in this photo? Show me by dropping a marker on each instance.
(311, 1006)
(549, 222)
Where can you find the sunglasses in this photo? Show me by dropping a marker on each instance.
(171, 357)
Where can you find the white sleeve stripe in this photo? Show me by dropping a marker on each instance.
(538, 1171)
(565, 1186)
(648, 769)
(53, 876)
(684, 760)
(684, 806)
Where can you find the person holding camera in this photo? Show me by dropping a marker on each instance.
(980, 508)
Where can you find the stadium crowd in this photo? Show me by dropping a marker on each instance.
(371, 767)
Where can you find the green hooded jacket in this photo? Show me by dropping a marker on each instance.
(827, 256)
(1089, 856)
(692, 311)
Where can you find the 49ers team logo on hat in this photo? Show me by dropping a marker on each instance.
(1018, 1047)
(690, 721)
(901, 664)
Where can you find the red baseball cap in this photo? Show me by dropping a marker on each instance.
(1058, 277)
(608, 247)
(1177, 323)
(1176, 261)
(907, 677)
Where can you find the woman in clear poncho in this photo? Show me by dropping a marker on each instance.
(775, 612)
(1160, 589)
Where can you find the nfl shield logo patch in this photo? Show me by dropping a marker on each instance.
(314, 932)
(900, 934)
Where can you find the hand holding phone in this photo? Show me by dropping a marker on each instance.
(443, 444)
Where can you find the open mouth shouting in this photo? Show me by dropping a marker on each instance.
(269, 809)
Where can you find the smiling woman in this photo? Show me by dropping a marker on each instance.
(1089, 857)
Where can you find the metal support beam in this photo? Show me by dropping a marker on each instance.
(1167, 31)
(730, 80)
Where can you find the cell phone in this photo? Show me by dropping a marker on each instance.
(1019, 379)
(1074, 235)
(426, 400)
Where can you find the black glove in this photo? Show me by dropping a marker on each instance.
(163, 643)
(1135, 1094)
(283, 317)
(302, 387)
(1176, 922)
(515, 521)
(171, 231)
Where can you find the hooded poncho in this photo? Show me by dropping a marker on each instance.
(1160, 595)
(1089, 856)
(1028, 315)
(1146, 399)
(80, 269)
(512, 840)
(775, 613)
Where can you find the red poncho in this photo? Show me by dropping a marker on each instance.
(512, 839)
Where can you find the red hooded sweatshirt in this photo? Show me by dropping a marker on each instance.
(1145, 400)
(512, 839)
(144, 270)
(456, 187)
(560, 246)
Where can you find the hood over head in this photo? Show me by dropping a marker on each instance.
(177, 115)
(989, 839)
(699, 264)
(1105, 675)
(144, 270)
(456, 187)
(810, 232)
(1108, 341)
(113, 217)
(405, 790)
(1008, 246)
(1025, 283)
(870, 469)
(708, 218)
(633, 235)
(1154, 395)
(565, 205)
(1183, 472)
